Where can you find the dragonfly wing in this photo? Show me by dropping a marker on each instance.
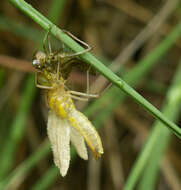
(59, 135)
(79, 143)
(81, 123)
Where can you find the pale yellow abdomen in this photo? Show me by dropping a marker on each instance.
(81, 123)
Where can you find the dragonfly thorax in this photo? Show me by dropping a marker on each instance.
(60, 102)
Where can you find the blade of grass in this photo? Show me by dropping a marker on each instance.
(17, 128)
(47, 25)
(132, 77)
(148, 180)
(155, 146)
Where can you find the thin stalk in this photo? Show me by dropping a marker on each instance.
(155, 146)
(133, 77)
(88, 57)
(148, 180)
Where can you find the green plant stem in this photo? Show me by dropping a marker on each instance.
(132, 77)
(148, 180)
(47, 25)
(157, 141)
(17, 128)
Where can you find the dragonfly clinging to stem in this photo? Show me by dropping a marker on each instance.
(65, 122)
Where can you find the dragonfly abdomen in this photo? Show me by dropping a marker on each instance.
(81, 123)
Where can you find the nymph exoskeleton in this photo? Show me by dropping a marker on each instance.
(65, 122)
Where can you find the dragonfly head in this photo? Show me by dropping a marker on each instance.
(39, 60)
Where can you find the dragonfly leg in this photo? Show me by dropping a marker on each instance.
(88, 48)
(58, 71)
(78, 98)
(90, 95)
(83, 94)
(47, 38)
(88, 81)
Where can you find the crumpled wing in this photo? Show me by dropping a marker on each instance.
(78, 141)
(59, 136)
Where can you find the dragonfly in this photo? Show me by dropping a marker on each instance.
(65, 123)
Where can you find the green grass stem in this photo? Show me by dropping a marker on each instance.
(88, 57)
(134, 76)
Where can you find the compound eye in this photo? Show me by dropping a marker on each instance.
(36, 64)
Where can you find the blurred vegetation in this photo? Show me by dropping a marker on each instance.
(137, 39)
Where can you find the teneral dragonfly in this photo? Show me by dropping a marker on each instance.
(65, 123)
